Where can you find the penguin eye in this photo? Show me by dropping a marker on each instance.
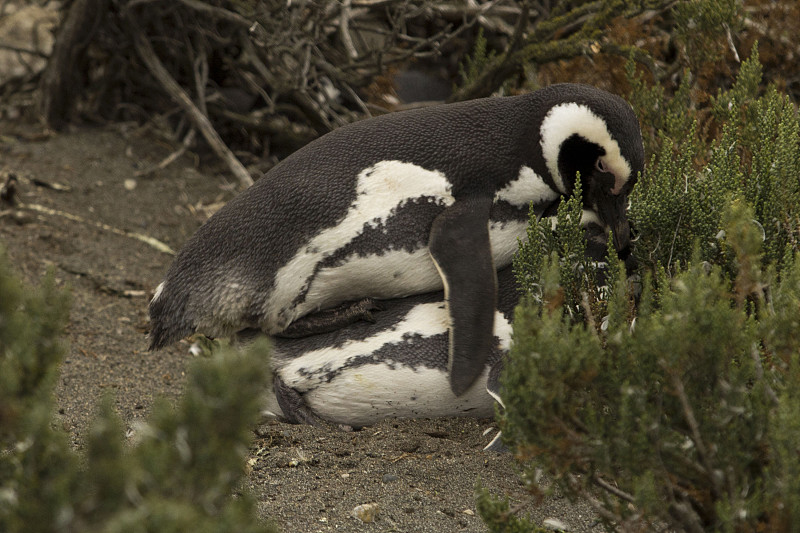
(601, 165)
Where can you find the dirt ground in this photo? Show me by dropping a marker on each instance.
(421, 473)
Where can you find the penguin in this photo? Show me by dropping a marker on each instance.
(406, 203)
(397, 367)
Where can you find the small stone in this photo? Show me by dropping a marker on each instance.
(345, 475)
(366, 512)
(130, 184)
(388, 478)
(554, 524)
(468, 512)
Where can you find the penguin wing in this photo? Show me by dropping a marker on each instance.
(460, 247)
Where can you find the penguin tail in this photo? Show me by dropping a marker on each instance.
(161, 336)
(168, 319)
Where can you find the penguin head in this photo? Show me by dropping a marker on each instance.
(594, 135)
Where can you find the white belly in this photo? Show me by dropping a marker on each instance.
(370, 393)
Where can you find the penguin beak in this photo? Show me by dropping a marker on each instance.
(613, 211)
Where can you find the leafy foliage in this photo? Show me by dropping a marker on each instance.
(576, 271)
(704, 28)
(690, 180)
(473, 65)
(677, 409)
(684, 417)
(499, 516)
(178, 475)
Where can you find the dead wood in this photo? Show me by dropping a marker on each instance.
(267, 76)
(62, 80)
(198, 118)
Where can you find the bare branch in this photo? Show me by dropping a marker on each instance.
(201, 122)
(616, 491)
(694, 429)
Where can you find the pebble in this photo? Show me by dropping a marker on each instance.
(366, 512)
(387, 478)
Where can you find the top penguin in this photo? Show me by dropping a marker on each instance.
(400, 204)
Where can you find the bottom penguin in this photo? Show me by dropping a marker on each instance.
(393, 368)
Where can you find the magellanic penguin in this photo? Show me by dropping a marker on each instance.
(400, 204)
(396, 367)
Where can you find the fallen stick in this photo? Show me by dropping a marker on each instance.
(150, 241)
(164, 163)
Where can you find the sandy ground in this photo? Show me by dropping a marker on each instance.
(421, 473)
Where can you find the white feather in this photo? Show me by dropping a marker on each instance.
(158, 292)
(528, 187)
(393, 274)
(505, 238)
(365, 396)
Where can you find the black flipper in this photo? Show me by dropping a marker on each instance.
(460, 247)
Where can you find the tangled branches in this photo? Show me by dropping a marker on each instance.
(260, 78)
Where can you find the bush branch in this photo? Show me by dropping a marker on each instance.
(200, 121)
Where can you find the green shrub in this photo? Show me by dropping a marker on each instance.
(179, 474)
(691, 178)
(686, 416)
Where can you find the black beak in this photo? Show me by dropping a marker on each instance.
(613, 211)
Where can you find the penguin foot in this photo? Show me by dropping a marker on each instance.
(331, 319)
(496, 445)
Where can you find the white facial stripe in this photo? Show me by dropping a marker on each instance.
(380, 190)
(621, 171)
(565, 120)
(528, 187)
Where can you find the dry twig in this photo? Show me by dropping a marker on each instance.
(201, 122)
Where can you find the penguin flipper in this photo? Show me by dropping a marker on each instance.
(460, 247)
